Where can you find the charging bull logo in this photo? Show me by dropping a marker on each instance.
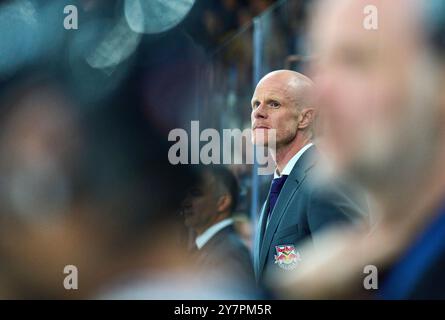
(287, 257)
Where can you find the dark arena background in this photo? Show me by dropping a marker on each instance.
(234, 157)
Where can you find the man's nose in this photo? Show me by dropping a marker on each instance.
(260, 112)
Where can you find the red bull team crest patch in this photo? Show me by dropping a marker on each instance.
(287, 257)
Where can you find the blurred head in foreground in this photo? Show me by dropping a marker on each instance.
(379, 77)
(84, 188)
(379, 82)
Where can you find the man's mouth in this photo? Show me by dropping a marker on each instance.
(260, 127)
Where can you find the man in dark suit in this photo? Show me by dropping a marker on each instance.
(207, 210)
(296, 207)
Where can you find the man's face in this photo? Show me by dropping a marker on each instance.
(274, 107)
(364, 79)
(201, 204)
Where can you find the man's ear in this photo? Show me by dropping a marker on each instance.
(307, 117)
(224, 203)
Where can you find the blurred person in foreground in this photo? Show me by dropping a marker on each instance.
(383, 97)
(83, 187)
(78, 188)
(83, 158)
(208, 212)
(297, 206)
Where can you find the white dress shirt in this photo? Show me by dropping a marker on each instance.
(204, 237)
(290, 165)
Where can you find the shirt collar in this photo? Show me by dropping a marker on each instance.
(203, 238)
(290, 165)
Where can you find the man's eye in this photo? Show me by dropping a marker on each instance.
(274, 104)
(255, 105)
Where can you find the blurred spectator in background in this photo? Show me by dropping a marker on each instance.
(215, 21)
(382, 93)
(208, 211)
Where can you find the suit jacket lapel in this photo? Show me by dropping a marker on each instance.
(291, 185)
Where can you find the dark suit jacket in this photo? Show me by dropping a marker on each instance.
(227, 256)
(418, 271)
(431, 284)
(302, 209)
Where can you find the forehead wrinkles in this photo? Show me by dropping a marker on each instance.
(275, 89)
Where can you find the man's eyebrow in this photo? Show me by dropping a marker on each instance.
(268, 99)
(273, 98)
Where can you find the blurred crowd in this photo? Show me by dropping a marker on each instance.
(216, 21)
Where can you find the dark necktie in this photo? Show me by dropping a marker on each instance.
(275, 188)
